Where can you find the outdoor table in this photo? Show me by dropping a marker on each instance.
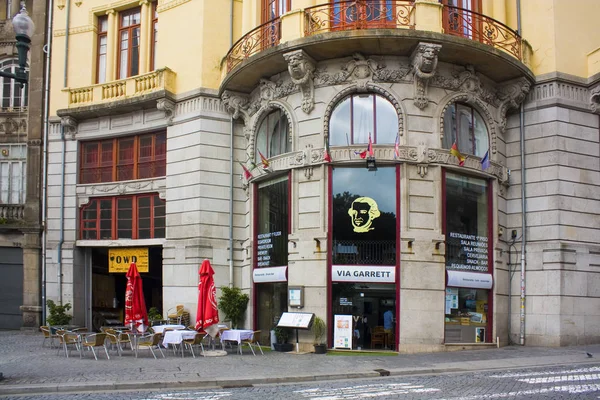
(177, 337)
(133, 338)
(236, 335)
(161, 328)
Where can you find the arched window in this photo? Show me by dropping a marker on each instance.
(272, 138)
(14, 96)
(359, 115)
(464, 126)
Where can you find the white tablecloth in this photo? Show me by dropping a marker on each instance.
(176, 337)
(161, 328)
(236, 335)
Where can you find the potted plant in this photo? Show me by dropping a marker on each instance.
(233, 303)
(57, 314)
(319, 330)
(282, 335)
(154, 315)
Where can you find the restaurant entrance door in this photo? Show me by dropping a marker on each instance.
(373, 310)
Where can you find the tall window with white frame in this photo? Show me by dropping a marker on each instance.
(12, 173)
(14, 95)
(101, 49)
(129, 43)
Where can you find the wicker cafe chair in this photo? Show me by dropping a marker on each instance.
(150, 342)
(196, 341)
(252, 341)
(95, 340)
(175, 314)
(68, 340)
(48, 335)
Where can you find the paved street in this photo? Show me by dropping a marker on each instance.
(573, 382)
(38, 372)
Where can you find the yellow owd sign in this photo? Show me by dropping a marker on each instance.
(120, 259)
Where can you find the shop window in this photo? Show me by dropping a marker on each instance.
(272, 138)
(364, 216)
(119, 159)
(464, 126)
(360, 115)
(14, 95)
(468, 259)
(12, 174)
(272, 224)
(366, 14)
(123, 217)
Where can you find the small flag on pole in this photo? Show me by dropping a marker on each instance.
(264, 160)
(485, 161)
(361, 154)
(454, 151)
(370, 148)
(397, 148)
(247, 173)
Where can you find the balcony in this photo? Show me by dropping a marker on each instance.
(136, 92)
(395, 27)
(12, 217)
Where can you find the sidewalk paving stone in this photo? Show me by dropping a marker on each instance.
(28, 367)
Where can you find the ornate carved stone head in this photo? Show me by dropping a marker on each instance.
(425, 57)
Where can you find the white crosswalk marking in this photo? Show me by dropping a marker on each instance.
(571, 389)
(364, 391)
(542, 373)
(190, 396)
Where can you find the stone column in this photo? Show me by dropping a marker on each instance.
(111, 46)
(32, 307)
(145, 36)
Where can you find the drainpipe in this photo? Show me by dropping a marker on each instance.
(68, 14)
(523, 200)
(61, 240)
(231, 165)
(47, 50)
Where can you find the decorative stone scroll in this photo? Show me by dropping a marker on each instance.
(301, 67)
(595, 100)
(168, 107)
(70, 126)
(511, 95)
(424, 61)
(237, 105)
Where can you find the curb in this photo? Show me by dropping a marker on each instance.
(247, 382)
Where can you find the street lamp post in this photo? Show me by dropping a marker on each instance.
(23, 26)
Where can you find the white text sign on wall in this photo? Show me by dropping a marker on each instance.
(361, 273)
(472, 280)
(272, 274)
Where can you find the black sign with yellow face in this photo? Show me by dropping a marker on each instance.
(362, 213)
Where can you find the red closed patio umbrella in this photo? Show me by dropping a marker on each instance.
(207, 315)
(136, 314)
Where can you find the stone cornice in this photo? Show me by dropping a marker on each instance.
(167, 5)
(85, 192)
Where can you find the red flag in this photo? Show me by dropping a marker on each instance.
(264, 160)
(361, 154)
(370, 148)
(454, 151)
(247, 173)
(326, 156)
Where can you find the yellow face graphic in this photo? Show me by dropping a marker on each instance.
(362, 213)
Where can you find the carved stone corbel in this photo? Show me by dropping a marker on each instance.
(70, 126)
(237, 105)
(168, 107)
(511, 95)
(424, 61)
(595, 99)
(301, 68)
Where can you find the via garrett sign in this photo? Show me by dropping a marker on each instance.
(363, 273)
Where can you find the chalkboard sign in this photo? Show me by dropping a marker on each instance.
(295, 320)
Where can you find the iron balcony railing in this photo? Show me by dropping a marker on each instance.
(472, 25)
(364, 252)
(258, 39)
(358, 14)
(384, 14)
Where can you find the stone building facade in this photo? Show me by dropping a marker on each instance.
(367, 157)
